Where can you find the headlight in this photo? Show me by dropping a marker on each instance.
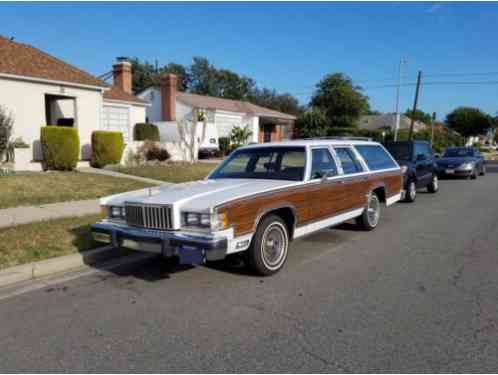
(467, 166)
(204, 220)
(404, 168)
(115, 212)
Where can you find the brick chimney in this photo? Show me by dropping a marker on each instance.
(121, 73)
(168, 97)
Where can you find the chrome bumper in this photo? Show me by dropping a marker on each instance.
(190, 248)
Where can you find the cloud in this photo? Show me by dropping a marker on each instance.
(434, 8)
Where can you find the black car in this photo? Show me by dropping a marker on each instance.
(418, 165)
(461, 161)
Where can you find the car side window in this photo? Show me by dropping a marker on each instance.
(376, 157)
(350, 164)
(423, 149)
(322, 162)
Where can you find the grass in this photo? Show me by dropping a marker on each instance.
(45, 239)
(34, 188)
(172, 172)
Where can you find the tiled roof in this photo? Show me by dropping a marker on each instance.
(115, 93)
(210, 102)
(24, 60)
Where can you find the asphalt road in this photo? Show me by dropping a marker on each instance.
(418, 294)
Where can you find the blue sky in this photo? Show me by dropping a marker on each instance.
(286, 46)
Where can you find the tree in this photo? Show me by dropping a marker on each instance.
(144, 75)
(419, 115)
(342, 102)
(312, 123)
(469, 121)
(240, 135)
(189, 135)
(269, 98)
(6, 126)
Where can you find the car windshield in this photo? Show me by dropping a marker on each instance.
(274, 163)
(458, 152)
(400, 151)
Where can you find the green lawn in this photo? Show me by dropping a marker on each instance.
(33, 188)
(172, 172)
(46, 239)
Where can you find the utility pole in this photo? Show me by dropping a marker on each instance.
(432, 127)
(419, 78)
(396, 124)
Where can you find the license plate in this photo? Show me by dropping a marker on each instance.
(191, 255)
(450, 171)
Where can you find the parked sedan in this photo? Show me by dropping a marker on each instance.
(461, 161)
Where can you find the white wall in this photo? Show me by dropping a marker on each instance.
(152, 95)
(26, 100)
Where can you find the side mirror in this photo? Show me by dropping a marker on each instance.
(437, 156)
(327, 174)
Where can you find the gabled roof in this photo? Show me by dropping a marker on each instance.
(210, 102)
(24, 60)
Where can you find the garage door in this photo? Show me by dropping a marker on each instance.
(116, 118)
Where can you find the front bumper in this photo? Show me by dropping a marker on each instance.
(190, 248)
(456, 172)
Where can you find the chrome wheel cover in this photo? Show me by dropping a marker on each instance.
(274, 246)
(413, 190)
(373, 210)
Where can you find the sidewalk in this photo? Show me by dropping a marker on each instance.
(121, 175)
(28, 214)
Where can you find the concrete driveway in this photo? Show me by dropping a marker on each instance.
(418, 294)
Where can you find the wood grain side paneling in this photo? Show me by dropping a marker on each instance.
(311, 201)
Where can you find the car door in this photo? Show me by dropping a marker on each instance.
(423, 162)
(355, 178)
(327, 189)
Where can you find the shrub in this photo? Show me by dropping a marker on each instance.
(60, 147)
(224, 143)
(152, 151)
(146, 132)
(107, 148)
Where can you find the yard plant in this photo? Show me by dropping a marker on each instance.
(6, 126)
(146, 132)
(60, 146)
(107, 148)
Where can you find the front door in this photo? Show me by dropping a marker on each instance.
(267, 133)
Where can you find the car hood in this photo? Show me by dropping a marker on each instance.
(455, 161)
(198, 195)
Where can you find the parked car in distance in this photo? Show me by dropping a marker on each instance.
(462, 162)
(257, 201)
(418, 166)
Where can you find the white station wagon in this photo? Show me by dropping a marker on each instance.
(257, 201)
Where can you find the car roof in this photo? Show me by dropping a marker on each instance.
(312, 142)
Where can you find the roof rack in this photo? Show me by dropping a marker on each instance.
(345, 138)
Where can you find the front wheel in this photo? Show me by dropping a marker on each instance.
(268, 251)
(433, 187)
(371, 215)
(411, 191)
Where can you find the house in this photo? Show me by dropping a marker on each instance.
(168, 105)
(39, 89)
(387, 121)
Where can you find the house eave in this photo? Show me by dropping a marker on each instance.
(127, 102)
(52, 82)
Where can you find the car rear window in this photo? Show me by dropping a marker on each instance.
(400, 151)
(376, 157)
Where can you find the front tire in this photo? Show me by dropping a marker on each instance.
(433, 187)
(370, 217)
(411, 191)
(269, 248)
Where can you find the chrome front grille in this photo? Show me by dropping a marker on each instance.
(149, 216)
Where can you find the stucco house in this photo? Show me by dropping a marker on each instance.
(167, 105)
(39, 89)
(387, 121)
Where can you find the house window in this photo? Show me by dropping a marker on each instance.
(60, 110)
(116, 118)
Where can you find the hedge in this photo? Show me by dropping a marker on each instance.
(107, 148)
(60, 147)
(146, 132)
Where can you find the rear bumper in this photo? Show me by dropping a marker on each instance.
(188, 247)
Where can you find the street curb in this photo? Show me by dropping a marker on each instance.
(60, 264)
